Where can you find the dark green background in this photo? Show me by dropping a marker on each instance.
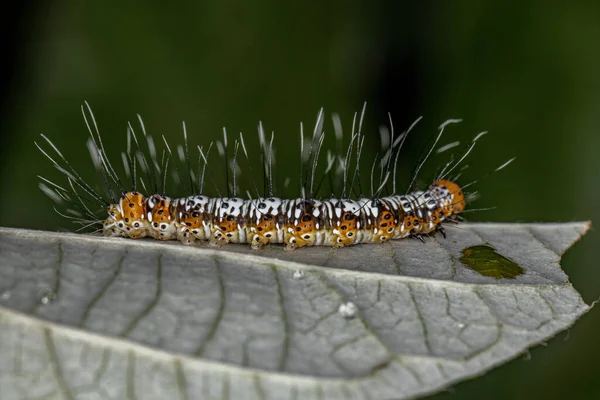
(528, 73)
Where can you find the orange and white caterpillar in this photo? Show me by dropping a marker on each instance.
(295, 222)
(258, 221)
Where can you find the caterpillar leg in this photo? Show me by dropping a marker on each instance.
(217, 239)
(291, 244)
(186, 237)
(418, 236)
(258, 241)
(441, 230)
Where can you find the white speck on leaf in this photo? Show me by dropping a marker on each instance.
(298, 274)
(47, 297)
(347, 310)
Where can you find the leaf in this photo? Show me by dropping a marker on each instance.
(84, 316)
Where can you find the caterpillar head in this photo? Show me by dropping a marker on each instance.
(456, 203)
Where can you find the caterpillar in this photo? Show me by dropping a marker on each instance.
(262, 219)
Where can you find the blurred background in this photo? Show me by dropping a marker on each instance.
(527, 74)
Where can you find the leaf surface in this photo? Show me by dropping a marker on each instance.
(92, 317)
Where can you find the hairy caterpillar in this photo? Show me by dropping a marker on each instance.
(261, 219)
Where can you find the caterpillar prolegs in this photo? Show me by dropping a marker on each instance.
(262, 219)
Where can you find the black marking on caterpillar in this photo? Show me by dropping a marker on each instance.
(259, 220)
